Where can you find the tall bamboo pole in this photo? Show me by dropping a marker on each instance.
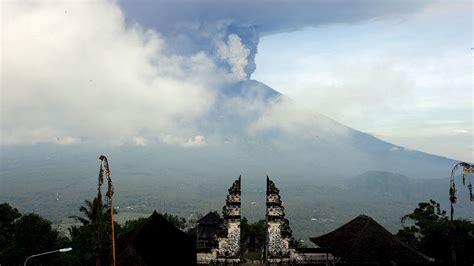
(104, 163)
(110, 209)
(452, 198)
(452, 189)
(98, 208)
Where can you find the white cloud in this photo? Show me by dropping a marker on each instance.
(25, 135)
(395, 148)
(139, 141)
(68, 140)
(196, 141)
(297, 120)
(459, 131)
(73, 71)
(407, 81)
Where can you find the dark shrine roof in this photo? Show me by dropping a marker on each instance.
(363, 240)
(207, 232)
(156, 242)
(212, 218)
(207, 227)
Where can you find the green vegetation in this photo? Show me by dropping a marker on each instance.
(27, 234)
(92, 211)
(22, 235)
(177, 221)
(432, 233)
(254, 231)
(132, 225)
(256, 255)
(427, 229)
(83, 238)
(330, 200)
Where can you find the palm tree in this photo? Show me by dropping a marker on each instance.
(93, 212)
(92, 235)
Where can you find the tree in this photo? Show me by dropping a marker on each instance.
(252, 233)
(177, 221)
(8, 215)
(83, 243)
(132, 225)
(84, 237)
(92, 211)
(431, 232)
(27, 235)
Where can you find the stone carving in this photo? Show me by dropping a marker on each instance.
(280, 245)
(228, 250)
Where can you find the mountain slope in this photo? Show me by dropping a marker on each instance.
(251, 117)
(253, 131)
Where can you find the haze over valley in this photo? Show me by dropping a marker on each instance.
(349, 113)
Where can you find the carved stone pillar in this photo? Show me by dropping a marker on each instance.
(228, 250)
(279, 241)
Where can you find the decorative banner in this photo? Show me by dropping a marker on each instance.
(452, 193)
(467, 170)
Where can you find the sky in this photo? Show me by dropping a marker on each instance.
(144, 72)
(404, 79)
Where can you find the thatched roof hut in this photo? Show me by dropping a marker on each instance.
(208, 226)
(156, 242)
(206, 230)
(364, 241)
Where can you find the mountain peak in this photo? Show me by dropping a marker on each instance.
(250, 89)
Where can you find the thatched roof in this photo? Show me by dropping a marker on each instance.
(207, 227)
(212, 218)
(206, 232)
(156, 242)
(363, 240)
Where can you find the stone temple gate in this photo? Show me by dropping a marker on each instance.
(224, 243)
(280, 244)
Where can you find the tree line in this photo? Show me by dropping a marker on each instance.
(22, 235)
(426, 229)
